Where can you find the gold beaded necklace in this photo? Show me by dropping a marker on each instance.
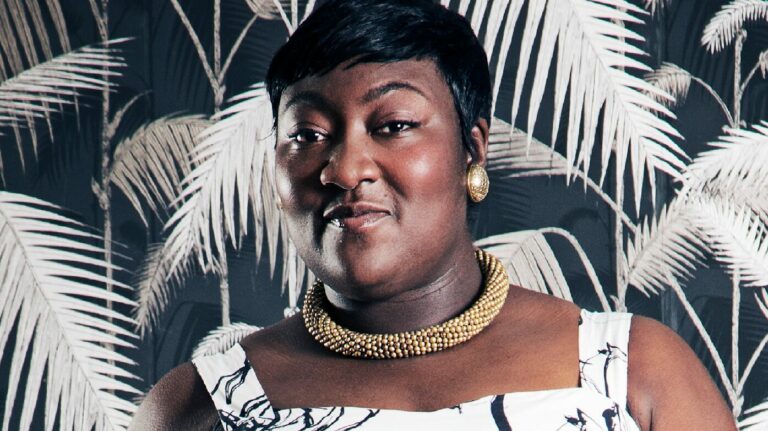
(411, 343)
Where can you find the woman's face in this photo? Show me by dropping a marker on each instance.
(371, 176)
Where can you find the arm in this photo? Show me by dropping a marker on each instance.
(178, 401)
(669, 388)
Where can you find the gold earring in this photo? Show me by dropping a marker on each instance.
(477, 182)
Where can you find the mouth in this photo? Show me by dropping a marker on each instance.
(357, 216)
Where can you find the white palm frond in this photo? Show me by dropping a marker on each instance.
(148, 166)
(511, 149)
(729, 21)
(267, 9)
(231, 160)
(592, 58)
(762, 61)
(738, 239)
(529, 260)
(232, 178)
(673, 80)
(667, 245)
(756, 418)
(51, 289)
(57, 81)
(763, 304)
(656, 5)
(46, 88)
(222, 339)
(732, 169)
(25, 40)
(272, 9)
(155, 283)
(514, 154)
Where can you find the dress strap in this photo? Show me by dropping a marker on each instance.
(233, 387)
(603, 347)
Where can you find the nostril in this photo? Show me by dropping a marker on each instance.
(348, 167)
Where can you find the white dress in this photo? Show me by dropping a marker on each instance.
(599, 403)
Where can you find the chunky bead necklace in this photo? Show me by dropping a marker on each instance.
(411, 343)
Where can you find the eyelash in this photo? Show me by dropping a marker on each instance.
(318, 136)
(304, 132)
(408, 125)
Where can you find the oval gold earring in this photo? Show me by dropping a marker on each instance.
(477, 182)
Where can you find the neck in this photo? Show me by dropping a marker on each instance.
(455, 286)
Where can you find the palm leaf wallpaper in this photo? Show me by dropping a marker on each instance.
(139, 225)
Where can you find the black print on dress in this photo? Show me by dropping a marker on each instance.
(612, 418)
(581, 420)
(243, 406)
(604, 357)
(232, 381)
(499, 416)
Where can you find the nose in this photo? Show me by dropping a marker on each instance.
(351, 162)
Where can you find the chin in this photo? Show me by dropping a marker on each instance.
(362, 276)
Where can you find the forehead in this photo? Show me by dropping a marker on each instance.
(364, 83)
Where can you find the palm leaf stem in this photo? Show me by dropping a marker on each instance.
(737, 90)
(212, 80)
(590, 184)
(760, 347)
(118, 118)
(236, 47)
(751, 74)
(618, 243)
(584, 261)
(309, 8)
(718, 99)
(223, 275)
(284, 17)
(735, 304)
(97, 14)
(103, 192)
(751, 364)
(217, 43)
(697, 323)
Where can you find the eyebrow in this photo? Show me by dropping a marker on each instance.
(309, 98)
(381, 90)
(317, 100)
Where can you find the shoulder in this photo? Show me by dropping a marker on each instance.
(178, 401)
(537, 304)
(668, 387)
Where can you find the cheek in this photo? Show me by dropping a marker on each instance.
(295, 182)
(429, 173)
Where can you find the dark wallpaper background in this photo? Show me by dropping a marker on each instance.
(162, 64)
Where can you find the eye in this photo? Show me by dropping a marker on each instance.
(395, 127)
(306, 136)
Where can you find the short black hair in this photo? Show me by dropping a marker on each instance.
(382, 31)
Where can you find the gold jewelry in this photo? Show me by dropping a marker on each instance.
(477, 182)
(411, 343)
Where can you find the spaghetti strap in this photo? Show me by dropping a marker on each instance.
(603, 347)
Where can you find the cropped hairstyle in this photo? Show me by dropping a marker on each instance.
(383, 31)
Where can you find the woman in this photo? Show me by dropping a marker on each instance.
(382, 115)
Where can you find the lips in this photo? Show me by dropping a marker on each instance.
(356, 216)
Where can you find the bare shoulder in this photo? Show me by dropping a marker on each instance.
(537, 302)
(669, 388)
(178, 401)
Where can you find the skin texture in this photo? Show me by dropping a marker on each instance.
(386, 150)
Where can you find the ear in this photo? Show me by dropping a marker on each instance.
(479, 143)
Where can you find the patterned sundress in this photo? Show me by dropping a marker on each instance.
(598, 404)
